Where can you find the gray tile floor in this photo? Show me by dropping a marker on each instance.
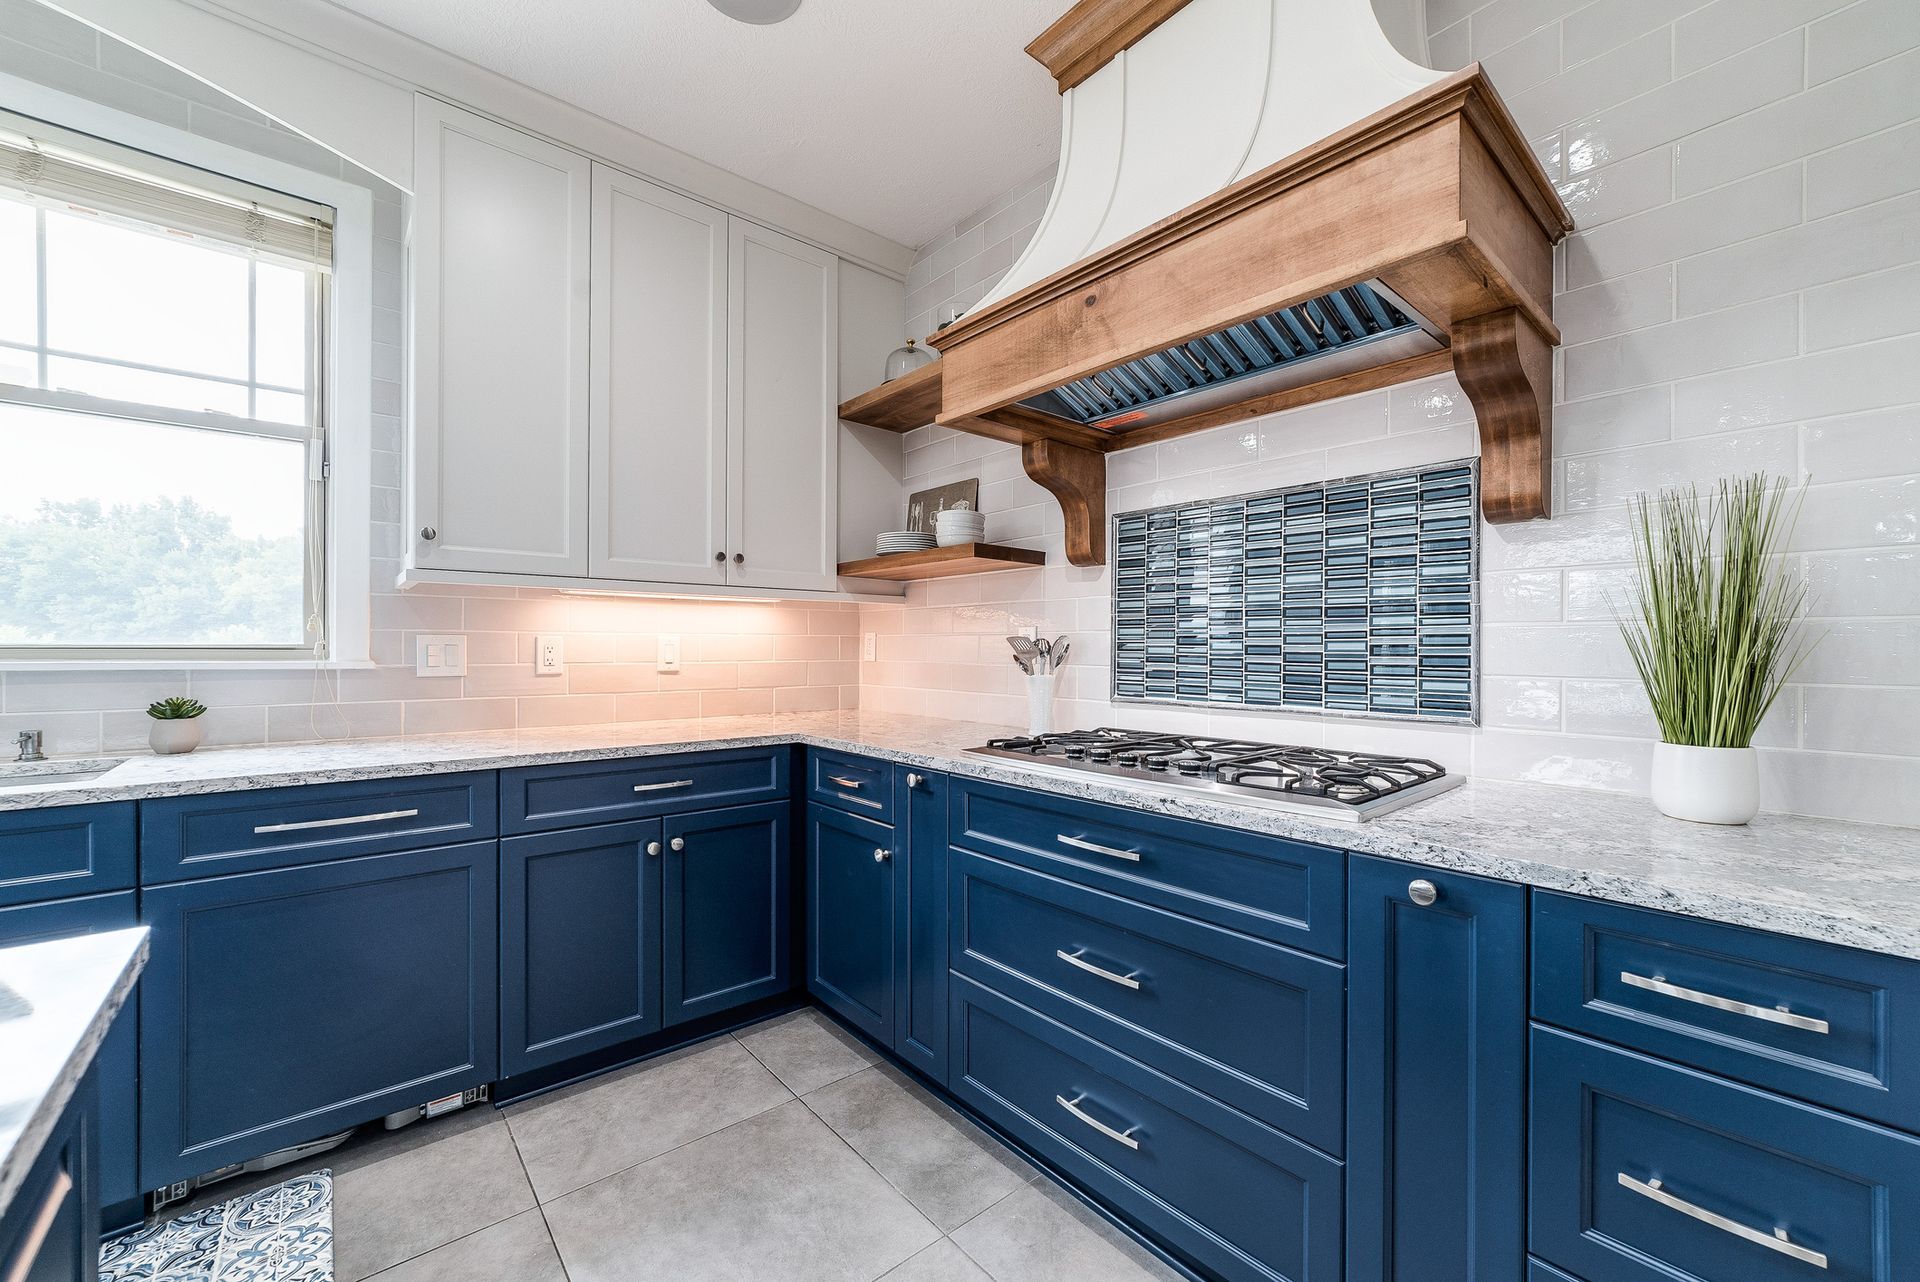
(780, 1154)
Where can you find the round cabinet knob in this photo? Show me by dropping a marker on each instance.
(881, 854)
(678, 843)
(720, 556)
(914, 781)
(653, 847)
(428, 533)
(1422, 892)
(739, 558)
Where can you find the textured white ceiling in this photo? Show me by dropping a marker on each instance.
(897, 115)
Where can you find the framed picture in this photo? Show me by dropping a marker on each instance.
(922, 505)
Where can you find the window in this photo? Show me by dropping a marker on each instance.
(162, 427)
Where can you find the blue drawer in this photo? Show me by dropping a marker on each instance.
(576, 793)
(1823, 1023)
(1253, 1024)
(1284, 891)
(1643, 1171)
(65, 850)
(1237, 1198)
(232, 832)
(859, 785)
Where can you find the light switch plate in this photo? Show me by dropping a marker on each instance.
(436, 655)
(668, 659)
(549, 655)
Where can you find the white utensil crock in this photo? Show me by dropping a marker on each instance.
(1040, 703)
(1706, 785)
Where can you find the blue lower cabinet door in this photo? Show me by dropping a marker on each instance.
(117, 1065)
(282, 1006)
(1436, 1075)
(726, 909)
(51, 1232)
(920, 923)
(579, 941)
(1244, 1202)
(1643, 1171)
(850, 907)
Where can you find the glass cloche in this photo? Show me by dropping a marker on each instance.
(905, 360)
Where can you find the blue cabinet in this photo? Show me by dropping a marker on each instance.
(63, 851)
(281, 1006)
(574, 794)
(726, 921)
(920, 926)
(1241, 1199)
(51, 1231)
(1644, 1171)
(579, 941)
(1436, 1075)
(850, 906)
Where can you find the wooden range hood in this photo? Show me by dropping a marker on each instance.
(1437, 198)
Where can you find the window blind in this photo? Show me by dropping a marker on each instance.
(168, 198)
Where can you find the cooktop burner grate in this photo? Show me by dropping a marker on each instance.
(1354, 784)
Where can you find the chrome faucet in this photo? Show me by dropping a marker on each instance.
(29, 741)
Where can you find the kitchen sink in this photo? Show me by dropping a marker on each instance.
(41, 774)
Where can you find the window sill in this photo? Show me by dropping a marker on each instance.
(182, 665)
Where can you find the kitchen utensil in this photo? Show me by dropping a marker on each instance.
(1024, 665)
(1024, 648)
(1045, 647)
(1060, 655)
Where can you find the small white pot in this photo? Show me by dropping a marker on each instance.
(170, 737)
(1706, 785)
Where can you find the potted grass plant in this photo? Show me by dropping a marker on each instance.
(176, 725)
(1715, 637)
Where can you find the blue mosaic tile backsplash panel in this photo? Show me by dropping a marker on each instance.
(1352, 598)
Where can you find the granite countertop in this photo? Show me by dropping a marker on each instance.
(1852, 884)
(72, 988)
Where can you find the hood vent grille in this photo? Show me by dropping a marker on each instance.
(1174, 381)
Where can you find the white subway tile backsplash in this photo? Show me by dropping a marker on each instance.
(1726, 27)
(1636, 67)
(1860, 35)
(1720, 340)
(1639, 417)
(1633, 186)
(1858, 514)
(1873, 238)
(1764, 203)
(1877, 305)
(1852, 583)
(1523, 596)
(1520, 703)
(1844, 381)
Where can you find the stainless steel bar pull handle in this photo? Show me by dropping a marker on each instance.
(1119, 1137)
(1771, 1014)
(342, 822)
(845, 782)
(1774, 1241)
(860, 801)
(39, 1228)
(1078, 958)
(663, 787)
(1081, 843)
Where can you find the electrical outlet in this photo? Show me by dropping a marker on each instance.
(668, 659)
(869, 646)
(549, 656)
(439, 656)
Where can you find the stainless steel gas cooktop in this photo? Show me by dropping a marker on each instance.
(1320, 781)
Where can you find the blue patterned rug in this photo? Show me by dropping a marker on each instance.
(279, 1234)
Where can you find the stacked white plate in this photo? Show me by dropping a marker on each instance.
(903, 541)
(959, 525)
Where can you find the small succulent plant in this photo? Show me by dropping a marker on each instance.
(176, 709)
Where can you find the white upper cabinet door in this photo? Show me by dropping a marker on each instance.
(783, 430)
(500, 266)
(659, 457)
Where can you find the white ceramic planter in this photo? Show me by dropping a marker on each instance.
(1706, 785)
(170, 737)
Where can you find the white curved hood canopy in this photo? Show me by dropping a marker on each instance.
(1260, 204)
(1217, 91)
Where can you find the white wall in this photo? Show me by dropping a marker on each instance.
(1741, 295)
(751, 657)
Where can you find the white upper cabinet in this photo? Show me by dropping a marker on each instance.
(658, 497)
(499, 441)
(783, 435)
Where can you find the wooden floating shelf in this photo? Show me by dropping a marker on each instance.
(941, 563)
